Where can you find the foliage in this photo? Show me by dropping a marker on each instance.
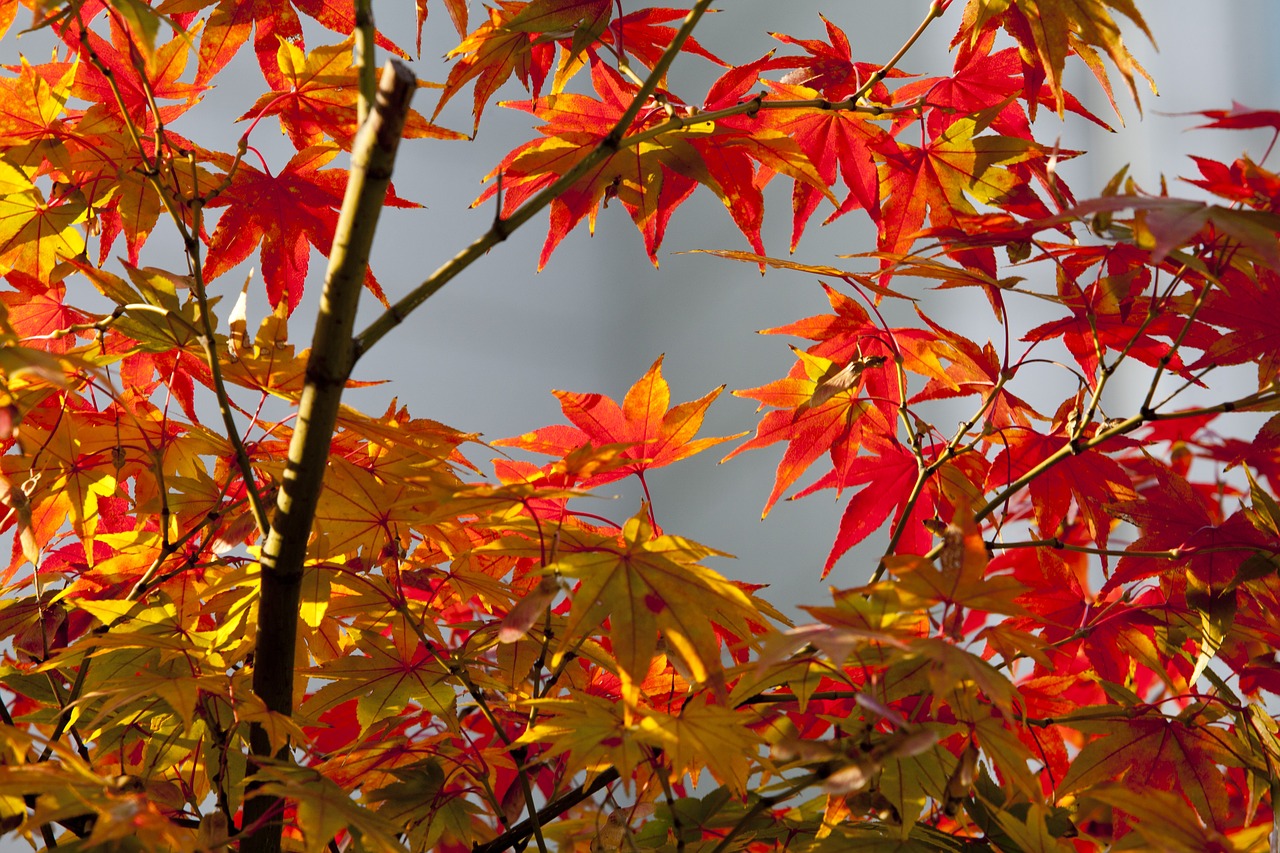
(1068, 644)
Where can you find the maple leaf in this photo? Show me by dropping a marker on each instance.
(981, 80)
(35, 234)
(32, 117)
(76, 470)
(591, 730)
(703, 734)
(1240, 117)
(941, 176)
(888, 475)
(974, 370)
(113, 175)
(228, 26)
(365, 511)
(653, 178)
(383, 679)
(837, 142)
(810, 430)
(839, 396)
(286, 214)
(1102, 318)
(1173, 518)
(494, 51)
(830, 68)
(646, 584)
(1243, 181)
(37, 310)
(140, 84)
(326, 810)
(656, 434)
(1089, 479)
(1051, 29)
(1245, 307)
(319, 98)
(8, 10)
(641, 34)
(269, 363)
(1155, 752)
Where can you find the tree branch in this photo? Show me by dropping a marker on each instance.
(328, 367)
(365, 59)
(522, 830)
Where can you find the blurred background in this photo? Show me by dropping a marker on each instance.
(484, 354)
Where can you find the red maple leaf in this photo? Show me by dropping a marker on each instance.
(980, 80)
(1172, 517)
(509, 43)
(1153, 751)
(1090, 479)
(838, 142)
(287, 214)
(940, 178)
(975, 370)
(641, 33)
(1240, 117)
(1243, 181)
(32, 121)
(1247, 307)
(829, 67)
(228, 26)
(319, 98)
(888, 476)
(121, 58)
(1109, 314)
(652, 179)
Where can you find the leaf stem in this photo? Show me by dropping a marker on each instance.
(1182, 334)
(1058, 545)
(210, 344)
(954, 448)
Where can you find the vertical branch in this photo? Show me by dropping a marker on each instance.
(366, 59)
(328, 368)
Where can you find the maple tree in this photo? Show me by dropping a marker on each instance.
(336, 630)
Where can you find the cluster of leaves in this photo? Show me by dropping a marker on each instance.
(1068, 643)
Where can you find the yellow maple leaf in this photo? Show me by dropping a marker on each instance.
(653, 583)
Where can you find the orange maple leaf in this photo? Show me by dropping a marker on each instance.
(659, 434)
